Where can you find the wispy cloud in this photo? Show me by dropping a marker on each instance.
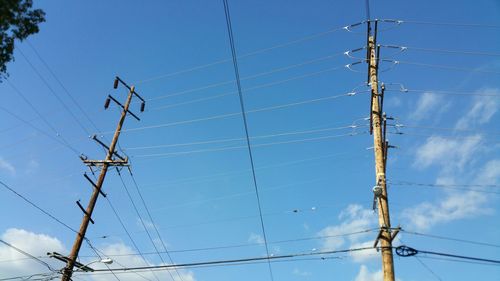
(256, 238)
(353, 219)
(301, 273)
(428, 105)
(455, 206)
(447, 152)
(7, 166)
(365, 275)
(481, 111)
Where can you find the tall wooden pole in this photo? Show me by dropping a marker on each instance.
(384, 221)
(68, 270)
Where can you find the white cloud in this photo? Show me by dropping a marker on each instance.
(365, 255)
(7, 166)
(354, 218)
(255, 238)
(481, 111)
(429, 104)
(448, 152)
(455, 206)
(365, 275)
(301, 273)
(490, 173)
(39, 244)
(35, 244)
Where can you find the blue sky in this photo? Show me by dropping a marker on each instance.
(188, 151)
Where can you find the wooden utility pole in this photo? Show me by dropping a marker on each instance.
(380, 148)
(104, 165)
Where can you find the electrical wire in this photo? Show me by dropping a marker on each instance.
(256, 52)
(242, 147)
(128, 233)
(395, 62)
(52, 73)
(441, 92)
(446, 51)
(405, 251)
(423, 264)
(227, 115)
(142, 220)
(320, 237)
(445, 186)
(28, 255)
(99, 253)
(61, 141)
(240, 139)
(449, 24)
(153, 222)
(54, 93)
(242, 105)
(450, 238)
(100, 258)
(237, 261)
(37, 207)
(19, 93)
(265, 73)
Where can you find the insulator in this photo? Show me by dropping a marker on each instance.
(143, 105)
(106, 103)
(115, 85)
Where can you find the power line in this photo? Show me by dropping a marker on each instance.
(19, 93)
(100, 258)
(261, 86)
(141, 220)
(423, 264)
(258, 244)
(240, 139)
(236, 261)
(153, 223)
(62, 86)
(99, 253)
(128, 233)
(61, 141)
(405, 251)
(276, 107)
(241, 147)
(447, 51)
(54, 93)
(451, 239)
(256, 52)
(442, 92)
(260, 74)
(223, 116)
(396, 62)
(37, 207)
(449, 24)
(28, 255)
(242, 105)
(445, 186)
